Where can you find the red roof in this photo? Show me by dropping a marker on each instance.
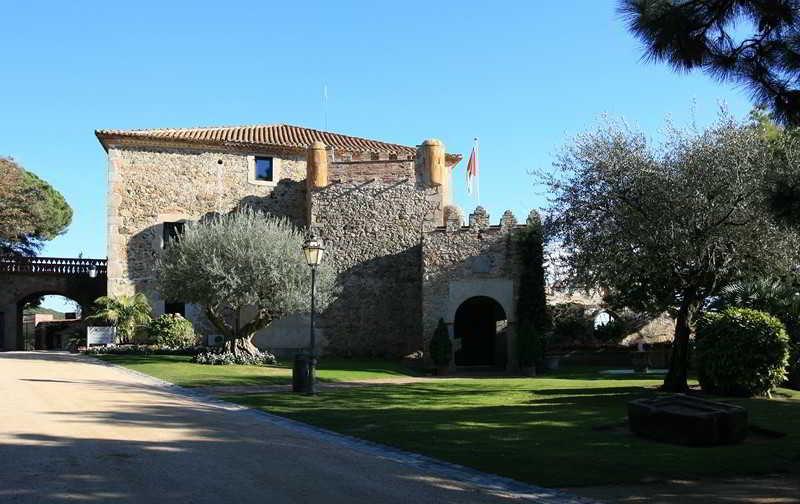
(270, 135)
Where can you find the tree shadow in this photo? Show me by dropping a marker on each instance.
(542, 435)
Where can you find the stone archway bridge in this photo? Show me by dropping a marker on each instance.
(23, 279)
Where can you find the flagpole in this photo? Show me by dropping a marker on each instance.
(477, 172)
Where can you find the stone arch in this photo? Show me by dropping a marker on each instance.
(501, 290)
(28, 337)
(480, 328)
(22, 286)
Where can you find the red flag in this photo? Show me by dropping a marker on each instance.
(472, 169)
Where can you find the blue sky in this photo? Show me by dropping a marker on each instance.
(522, 76)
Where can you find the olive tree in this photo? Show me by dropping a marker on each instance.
(666, 226)
(242, 260)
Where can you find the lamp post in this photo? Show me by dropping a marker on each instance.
(303, 373)
(92, 271)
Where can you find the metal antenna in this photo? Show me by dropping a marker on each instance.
(325, 104)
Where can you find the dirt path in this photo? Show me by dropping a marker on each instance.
(73, 429)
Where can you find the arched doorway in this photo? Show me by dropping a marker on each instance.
(480, 327)
(47, 321)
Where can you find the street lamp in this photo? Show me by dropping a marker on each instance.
(92, 271)
(303, 373)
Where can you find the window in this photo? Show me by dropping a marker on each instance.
(171, 232)
(175, 307)
(264, 169)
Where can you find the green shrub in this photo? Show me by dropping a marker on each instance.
(229, 358)
(570, 323)
(530, 346)
(142, 350)
(441, 348)
(171, 331)
(611, 332)
(741, 352)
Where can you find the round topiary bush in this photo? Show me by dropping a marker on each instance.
(741, 352)
(172, 331)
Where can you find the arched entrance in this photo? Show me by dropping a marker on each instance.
(26, 278)
(480, 326)
(43, 327)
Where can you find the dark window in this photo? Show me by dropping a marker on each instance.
(264, 168)
(172, 230)
(175, 307)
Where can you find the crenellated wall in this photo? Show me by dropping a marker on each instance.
(463, 262)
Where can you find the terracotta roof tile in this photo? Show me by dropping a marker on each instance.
(280, 135)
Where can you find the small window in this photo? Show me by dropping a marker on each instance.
(171, 232)
(175, 307)
(264, 169)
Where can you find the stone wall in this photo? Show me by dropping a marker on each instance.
(372, 217)
(460, 262)
(152, 185)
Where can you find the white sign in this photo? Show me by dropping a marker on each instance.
(100, 335)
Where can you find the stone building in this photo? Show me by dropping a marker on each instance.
(385, 212)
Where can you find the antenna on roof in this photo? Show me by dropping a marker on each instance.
(325, 105)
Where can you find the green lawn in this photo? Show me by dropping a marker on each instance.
(180, 370)
(548, 431)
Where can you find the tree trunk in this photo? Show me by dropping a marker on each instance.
(677, 378)
(242, 346)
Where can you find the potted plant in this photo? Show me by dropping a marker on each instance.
(441, 348)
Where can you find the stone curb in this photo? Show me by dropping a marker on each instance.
(496, 484)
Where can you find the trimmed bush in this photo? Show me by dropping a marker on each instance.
(741, 352)
(441, 347)
(228, 358)
(171, 330)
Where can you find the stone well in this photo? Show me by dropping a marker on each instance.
(690, 421)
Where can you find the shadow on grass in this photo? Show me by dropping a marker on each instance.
(542, 434)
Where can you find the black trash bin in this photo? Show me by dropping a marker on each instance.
(303, 375)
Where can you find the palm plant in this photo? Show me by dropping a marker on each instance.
(126, 313)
